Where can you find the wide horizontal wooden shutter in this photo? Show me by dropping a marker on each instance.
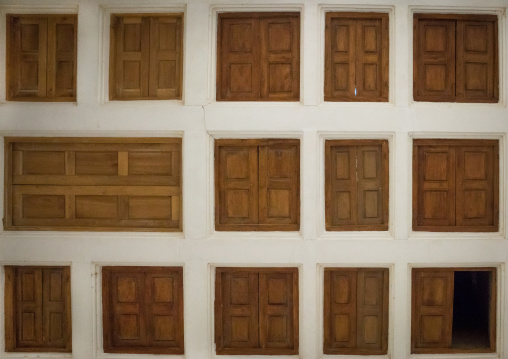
(432, 309)
(93, 184)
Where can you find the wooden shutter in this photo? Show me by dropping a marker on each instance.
(278, 313)
(477, 59)
(356, 311)
(93, 184)
(29, 294)
(236, 310)
(27, 49)
(130, 54)
(61, 64)
(434, 59)
(236, 184)
(280, 57)
(432, 311)
(477, 199)
(279, 169)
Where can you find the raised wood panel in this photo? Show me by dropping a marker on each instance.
(143, 310)
(258, 57)
(93, 184)
(62, 61)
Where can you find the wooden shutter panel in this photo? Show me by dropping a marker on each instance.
(61, 65)
(27, 56)
(29, 326)
(280, 57)
(278, 323)
(372, 314)
(165, 57)
(476, 192)
(477, 60)
(434, 185)
(238, 67)
(340, 62)
(432, 313)
(237, 185)
(434, 59)
(236, 311)
(279, 165)
(130, 41)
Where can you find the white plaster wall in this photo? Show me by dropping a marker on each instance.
(199, 119)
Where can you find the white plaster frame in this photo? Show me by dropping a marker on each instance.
(322, 233)
(390, 10)
(105, 22)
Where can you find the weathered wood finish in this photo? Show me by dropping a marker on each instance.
(356, 56)
(41, 57)
(111, 184)
(455, 185)
(37, 309)
(257, 185)
(142, 310)
(146, 57)
(355, 311)
(455, 58)
(258, 57)
(256, 311)
(356, 185)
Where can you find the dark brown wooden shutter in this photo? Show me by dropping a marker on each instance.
(236, 311)
(29, 314)
(279, 184)
(237, 184)
(27, 48)
(434, 59)
(280, 60)
(476, 60)
(56, 307)
(278, 296)
(432, 311)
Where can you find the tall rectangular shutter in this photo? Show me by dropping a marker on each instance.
(434, 59)
(237, 310)
(61, 65)
(238, 68)
(340, 60)
(164, 308)
(165, 57)
(372, 184)
(434, 186)
(432, 313)
(27, 56)
(280, 57)
(130, 41)
(29, 300)
(476, 191)
(372, 58)
(237, 185)
(279, 175)
(372, 313)
(342, 188)
(278, 326)
(56, 311)
(477, 60)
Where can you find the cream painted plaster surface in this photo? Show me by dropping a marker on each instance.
(199, 119)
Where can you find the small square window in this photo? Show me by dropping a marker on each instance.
(37, 309)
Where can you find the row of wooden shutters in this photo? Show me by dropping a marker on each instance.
(356, 56)
(143, 310)
(455, 58)
(356, 184)
(146, 57)
(256, 311)
(41, 62)
(455, 185)
(37, 309)
(258, 57)
(257, 184)
(355, 311)
(93, 184)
